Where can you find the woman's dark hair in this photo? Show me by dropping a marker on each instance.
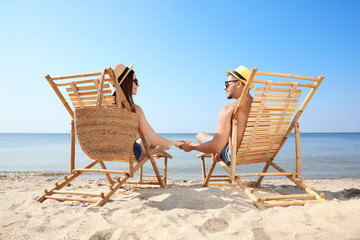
(126, 87)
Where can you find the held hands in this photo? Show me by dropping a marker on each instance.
(178, 144)
(186, 146)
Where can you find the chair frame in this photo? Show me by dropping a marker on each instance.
(261, 202)
(134, 166)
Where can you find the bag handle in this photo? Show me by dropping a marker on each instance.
(100, 89)
(100, 94)
(120, 97)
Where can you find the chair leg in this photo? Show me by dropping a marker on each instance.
(203, 168)
(212, 167)
(165, 170)
(141, 174)
(150, 156)
(297, 147)
(156, 170)
(72, 147)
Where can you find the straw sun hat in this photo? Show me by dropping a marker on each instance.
(241, 73)
(122, 71)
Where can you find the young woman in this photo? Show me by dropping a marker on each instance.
(129, 86)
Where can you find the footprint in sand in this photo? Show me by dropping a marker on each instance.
(259, 234)
(214, 225)
(102, 234)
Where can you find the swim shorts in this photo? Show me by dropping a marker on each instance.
(137, 150)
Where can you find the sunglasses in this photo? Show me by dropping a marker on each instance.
(136, 82)
(227, 83)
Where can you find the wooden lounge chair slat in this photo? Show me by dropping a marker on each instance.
(92, 103)
(77, 193)
(266, 134)
(259, 140)
(268, 121)
(277, 89)
(221, 176)
(308, 85)
(79, 82)
(277, 100)
(273, 105)
(276, 95)
(289, 203)
(93, 93)
(91, 96)
(72, 199)
(86, 88)
(280, 100)
(82, 75)
(287, 75)
(255, 157)
(264, 174)
(267, 114)
(253, 153)
(100, 171)
(256, 147)
(252, 161)
(292, 196)
(222, 184)
(275, 114)
(261, 128)
(250, 158)
(108, 98)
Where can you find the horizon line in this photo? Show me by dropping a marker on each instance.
(157, 133)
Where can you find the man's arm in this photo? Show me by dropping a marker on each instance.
(221, 136)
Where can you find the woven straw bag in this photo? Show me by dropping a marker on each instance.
(106, 134)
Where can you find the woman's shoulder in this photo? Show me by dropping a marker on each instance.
(138, 109)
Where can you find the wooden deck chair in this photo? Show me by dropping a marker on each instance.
(272, 117)
(83, 92)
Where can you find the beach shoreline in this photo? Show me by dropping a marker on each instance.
(183, 210)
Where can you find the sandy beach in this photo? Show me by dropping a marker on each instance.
(183, 210)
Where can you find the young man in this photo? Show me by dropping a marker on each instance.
(221, 142)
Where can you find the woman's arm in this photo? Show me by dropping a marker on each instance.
(149, 133)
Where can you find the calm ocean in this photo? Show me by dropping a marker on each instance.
(324, 155)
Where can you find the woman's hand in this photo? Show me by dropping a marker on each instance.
(178, 144)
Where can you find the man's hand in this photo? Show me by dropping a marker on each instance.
(187, 146)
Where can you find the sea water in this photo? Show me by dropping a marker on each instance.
(323, 155)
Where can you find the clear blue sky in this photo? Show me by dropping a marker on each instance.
(181, 50)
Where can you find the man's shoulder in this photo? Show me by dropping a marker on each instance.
(230, 106)
(228, 109)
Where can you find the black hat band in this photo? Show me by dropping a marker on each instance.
(239, 75)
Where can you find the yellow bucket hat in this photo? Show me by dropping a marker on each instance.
(242, 73)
